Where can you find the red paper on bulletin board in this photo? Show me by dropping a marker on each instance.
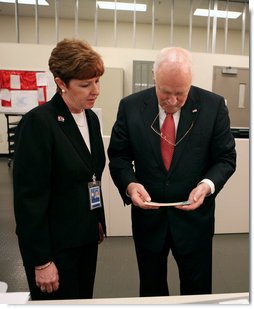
(21, 91)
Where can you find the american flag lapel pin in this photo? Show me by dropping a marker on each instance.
(60, 118)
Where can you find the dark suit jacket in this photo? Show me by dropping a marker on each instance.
(207, 151)
(52, 168)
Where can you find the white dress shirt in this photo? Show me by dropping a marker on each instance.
(81, 122)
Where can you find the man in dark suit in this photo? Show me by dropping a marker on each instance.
(58, 162)
(204, 158)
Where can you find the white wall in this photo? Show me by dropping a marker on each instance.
(124, 34)
(35, 57)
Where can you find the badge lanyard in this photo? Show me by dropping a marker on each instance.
(94, 189)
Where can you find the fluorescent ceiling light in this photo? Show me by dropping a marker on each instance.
(217, 13)
(40, 2)
(121, 6)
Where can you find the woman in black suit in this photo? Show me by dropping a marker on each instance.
(58, 164)
(203, 159)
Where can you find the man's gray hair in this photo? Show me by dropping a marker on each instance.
(174, 55)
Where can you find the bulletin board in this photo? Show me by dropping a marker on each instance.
(20, 91)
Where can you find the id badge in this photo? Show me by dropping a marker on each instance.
(94, 190)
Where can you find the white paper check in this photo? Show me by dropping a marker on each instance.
(167, 204)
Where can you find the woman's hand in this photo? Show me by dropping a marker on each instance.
(47, 278)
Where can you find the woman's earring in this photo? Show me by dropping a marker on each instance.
(63, 90)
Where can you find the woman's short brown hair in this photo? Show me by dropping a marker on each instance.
(75, 59)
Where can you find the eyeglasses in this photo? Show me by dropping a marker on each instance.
(165, 138)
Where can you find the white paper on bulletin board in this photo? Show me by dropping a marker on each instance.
(23, 101)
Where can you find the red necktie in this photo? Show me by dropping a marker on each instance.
(167, 139)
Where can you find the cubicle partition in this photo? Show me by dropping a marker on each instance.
(232, 203)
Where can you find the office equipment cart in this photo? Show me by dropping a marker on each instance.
(12, 122)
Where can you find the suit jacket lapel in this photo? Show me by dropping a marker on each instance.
(149, 114)
(68, 125)
(189, 113)
(94, 141)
